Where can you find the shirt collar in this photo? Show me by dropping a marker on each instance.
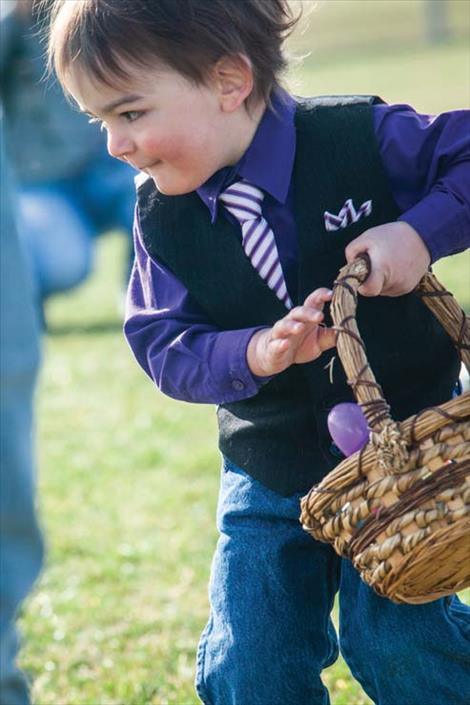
(269, 169)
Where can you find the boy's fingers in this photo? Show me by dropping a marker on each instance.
(357, 247)
(373, 285)
(364, 244)
(305, 314)
(287, 327)
(327, 338)
(278, 351)
(318, 298)
(279, 345)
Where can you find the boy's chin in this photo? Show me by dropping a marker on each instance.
(174, 181)
(169, 189)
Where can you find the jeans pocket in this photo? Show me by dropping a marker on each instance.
(200, 682)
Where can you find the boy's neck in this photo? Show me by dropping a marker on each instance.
(243, 128)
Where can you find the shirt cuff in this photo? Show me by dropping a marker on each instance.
(230, 372)
(442, 222)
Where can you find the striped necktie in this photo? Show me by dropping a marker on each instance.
(243, 201)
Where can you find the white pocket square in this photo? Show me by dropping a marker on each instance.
(347, 215)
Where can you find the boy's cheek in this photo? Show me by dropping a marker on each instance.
(152, 145)
(169, 149)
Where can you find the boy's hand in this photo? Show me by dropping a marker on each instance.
(296, 338)
(399, 258)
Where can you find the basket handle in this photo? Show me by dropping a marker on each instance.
(449, 314)
(385, 433)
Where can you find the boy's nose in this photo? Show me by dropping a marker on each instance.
(119, 145)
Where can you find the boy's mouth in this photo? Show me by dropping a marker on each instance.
(146, 168)
(151, 166)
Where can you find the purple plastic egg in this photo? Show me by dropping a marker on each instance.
(348, 427)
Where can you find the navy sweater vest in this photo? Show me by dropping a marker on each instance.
(279, 436)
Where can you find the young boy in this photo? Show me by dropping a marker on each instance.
(249, 203)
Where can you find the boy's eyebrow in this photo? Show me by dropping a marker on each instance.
(120, 101)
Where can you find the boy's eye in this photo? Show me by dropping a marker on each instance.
(131, 115)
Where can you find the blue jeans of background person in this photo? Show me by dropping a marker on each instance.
(270, 634)
(21, 547)
(60, 219)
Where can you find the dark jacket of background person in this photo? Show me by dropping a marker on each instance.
(46, 138)
(69, 188)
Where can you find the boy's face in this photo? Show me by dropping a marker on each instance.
(160, 123)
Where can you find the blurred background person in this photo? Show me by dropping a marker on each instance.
(70, 189)
(59, 190)
(21, 548)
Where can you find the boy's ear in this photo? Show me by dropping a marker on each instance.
(234, 81)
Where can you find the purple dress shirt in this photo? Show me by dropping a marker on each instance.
(427, 160)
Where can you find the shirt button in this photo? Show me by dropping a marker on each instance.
(238, 385)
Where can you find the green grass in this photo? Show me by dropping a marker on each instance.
(446, 66)
(377, 47)
(128, 478)
(128, 499)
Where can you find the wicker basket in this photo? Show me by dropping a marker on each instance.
(400, 507)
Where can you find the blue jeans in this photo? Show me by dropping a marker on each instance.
(270, 634)
(21, 547)
(60, 220)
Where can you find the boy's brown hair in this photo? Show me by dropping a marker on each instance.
(103, 37)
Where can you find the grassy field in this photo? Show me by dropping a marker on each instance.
(378, 47)
(128, 478)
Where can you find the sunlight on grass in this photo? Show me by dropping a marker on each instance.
(369, 75)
